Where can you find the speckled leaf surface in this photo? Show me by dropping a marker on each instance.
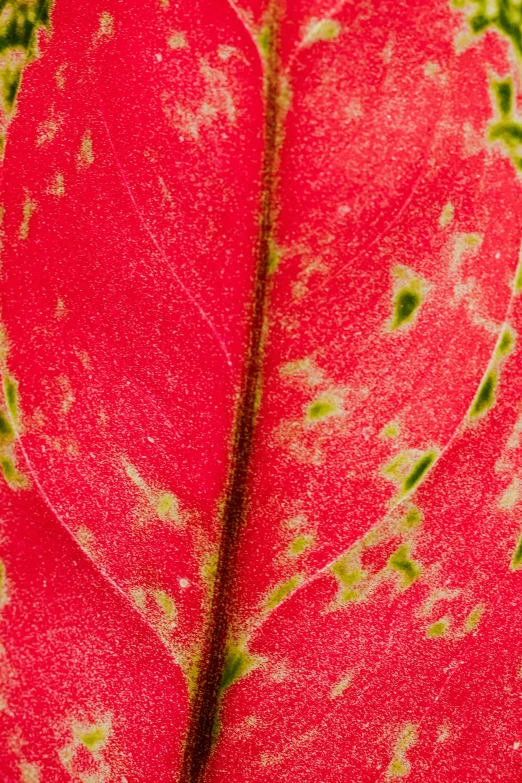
(261, 423)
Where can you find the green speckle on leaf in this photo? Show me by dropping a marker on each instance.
(438, 628)
(349, 578)
(408, 296)
(340, 687)
(167, 507)
(86, 155)
(281, 592)
(406, 303)
(506, 342)
(238, 663)
(299, 545)
(503, 92)
(27, 211)
(447, 214)
(6, 431)
(474, 618)
(93, 737)
(399, 766)
(419, 470)
(485, 397)
(265, 39)
(10, 387)
(401, 562)
(411, 519)
(516, 560)
(166, 605)
(322, 408)
(321, 30)
(177, 40)
(391, 430)
(10, 473)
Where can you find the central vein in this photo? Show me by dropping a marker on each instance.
(206, 701)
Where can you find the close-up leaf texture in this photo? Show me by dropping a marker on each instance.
(261, 408)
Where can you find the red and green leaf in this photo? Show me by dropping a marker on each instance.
(261, 428)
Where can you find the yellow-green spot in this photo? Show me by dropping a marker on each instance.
(10, 388)
(86, 155)
(399, 766)
(401, 562)
(506, 342)
(516, 560)
(391, 431)
(165, 604)
(177, 40)
(167, 507)
(322, 408)
(93, 737)
(57, 187)
(474, 618)
(485, 397)
(299, 545)
(10, 473)
(447, 214)
(6, 431)
(282, 591)
(321, 30)
(264, 40)
(106, 28)
(274, 258)
(238, 663)
(419, 470)
(510, 496)
(411, 519)
(438, 628)
(28, 209)
(517, 283)
(349, 577)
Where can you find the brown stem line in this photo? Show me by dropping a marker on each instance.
(206, 701)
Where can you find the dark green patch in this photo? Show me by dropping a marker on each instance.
(506, 343)
(485, 397)
(406, 303)
(10, 472)
(281, 591)
(11, 78)
(237, 663)
(503, 92)
(401, 562)
(516, 560)
(322, 408)
(19, 22)
(418, 471)
(11, 395)
(6, 431)
(505, 15)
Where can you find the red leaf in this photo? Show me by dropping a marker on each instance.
(260, 307)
